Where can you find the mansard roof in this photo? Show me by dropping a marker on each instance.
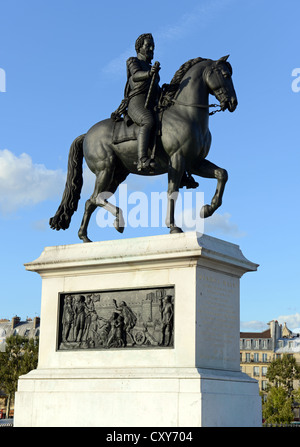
(29, 328)
(264, 334)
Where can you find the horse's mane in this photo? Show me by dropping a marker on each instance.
(177, 78)
(169, 90)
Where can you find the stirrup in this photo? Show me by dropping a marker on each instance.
(146, 164)
(188, 181)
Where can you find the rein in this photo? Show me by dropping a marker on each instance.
(200, 106)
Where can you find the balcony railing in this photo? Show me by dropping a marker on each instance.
(256, 361)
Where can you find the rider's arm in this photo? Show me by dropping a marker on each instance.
(141, 76)
(135, 70)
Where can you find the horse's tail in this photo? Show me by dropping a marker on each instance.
(71, 195)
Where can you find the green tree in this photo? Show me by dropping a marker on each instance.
(283, 372)
(278, 407)
(20, 357)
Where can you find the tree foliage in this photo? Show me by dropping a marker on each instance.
(20, 357)
(283, 372)
(278, 407)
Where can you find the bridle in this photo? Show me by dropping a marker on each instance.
(200, 106)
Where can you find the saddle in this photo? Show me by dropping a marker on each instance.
(124, 130)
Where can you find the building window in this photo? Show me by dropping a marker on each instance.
(264, 357)
(256, 344)
(264, 370)
(256, 371)
(264, 385)
(256, 357)
(265, 344)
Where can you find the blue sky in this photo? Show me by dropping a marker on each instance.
(64, 67)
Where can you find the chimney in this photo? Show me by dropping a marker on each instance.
(36, 322)
(15, 321)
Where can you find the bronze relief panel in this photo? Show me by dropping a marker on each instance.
(117, 319)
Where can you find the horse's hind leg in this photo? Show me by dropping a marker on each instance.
(106, 185)
(119, 222)
(207, 169)
(89, 209)
(103, 180)
(119, 176)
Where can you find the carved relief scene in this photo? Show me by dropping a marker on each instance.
(136, 318)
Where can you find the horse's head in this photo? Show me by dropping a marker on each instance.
(218, 79)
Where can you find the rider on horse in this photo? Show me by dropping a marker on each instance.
(142, 93)
(139, 77)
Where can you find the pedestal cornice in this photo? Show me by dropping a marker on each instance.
(183, 249)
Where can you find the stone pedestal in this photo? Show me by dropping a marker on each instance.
(194, 381)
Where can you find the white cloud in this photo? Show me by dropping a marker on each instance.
(24, 183)
(221, 224)
(253, 326)
(292, 321)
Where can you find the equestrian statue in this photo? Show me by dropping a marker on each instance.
(155, 130)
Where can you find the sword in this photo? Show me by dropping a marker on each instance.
(156, 64)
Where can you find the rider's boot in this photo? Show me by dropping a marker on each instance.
(188, 181)
(144, 162)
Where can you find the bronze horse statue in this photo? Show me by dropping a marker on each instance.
(181, 145)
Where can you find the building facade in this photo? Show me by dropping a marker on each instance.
(29, 328)
(259, 349)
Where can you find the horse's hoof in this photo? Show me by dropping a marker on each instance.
(117, 226)
(174, 230)
(206, 211)
(84, 238)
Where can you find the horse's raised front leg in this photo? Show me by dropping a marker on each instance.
(175, 173)
(207, 169)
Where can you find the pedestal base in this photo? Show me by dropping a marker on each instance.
(192, 380)
(161, 397)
